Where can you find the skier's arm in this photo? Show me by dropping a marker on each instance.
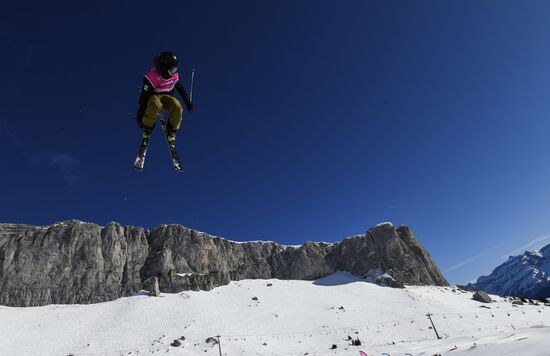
(145, 92)
(183, 94)
(144, 95)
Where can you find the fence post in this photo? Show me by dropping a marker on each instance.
(429, 315)
(219, 344)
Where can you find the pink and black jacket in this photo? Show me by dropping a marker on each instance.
(154, 83)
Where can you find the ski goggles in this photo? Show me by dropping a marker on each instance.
(173, 70)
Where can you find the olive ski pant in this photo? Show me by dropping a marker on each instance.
(158, 102)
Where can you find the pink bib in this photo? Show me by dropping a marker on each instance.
(161, 85)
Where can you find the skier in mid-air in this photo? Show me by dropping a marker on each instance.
(157, 93)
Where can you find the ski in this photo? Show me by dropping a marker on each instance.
(172, 147)
(140, 158)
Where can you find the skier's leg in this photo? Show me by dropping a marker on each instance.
(174, 109)
(154, 106)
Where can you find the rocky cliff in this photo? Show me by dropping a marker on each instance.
(78, 262)
(69, 262)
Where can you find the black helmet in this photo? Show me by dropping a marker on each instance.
(166, 63)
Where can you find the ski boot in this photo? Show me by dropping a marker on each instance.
(147, 133)
(170, 135)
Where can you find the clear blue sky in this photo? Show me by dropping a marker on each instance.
(314, 120)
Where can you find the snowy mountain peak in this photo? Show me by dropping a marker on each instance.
(524, 275)
(384, 223)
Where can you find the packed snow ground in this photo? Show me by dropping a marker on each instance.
(288, 318)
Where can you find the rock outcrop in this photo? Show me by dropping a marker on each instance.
(385, 249)
(77, 262)
(482, 297)
(71, 262)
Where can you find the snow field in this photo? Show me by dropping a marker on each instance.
(288, 318)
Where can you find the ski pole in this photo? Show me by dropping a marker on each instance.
(191, 90)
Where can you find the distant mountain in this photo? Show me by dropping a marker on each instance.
(74, 262)
(527, 275)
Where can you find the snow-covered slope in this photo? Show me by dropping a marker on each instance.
(525, 275)
(276, 317)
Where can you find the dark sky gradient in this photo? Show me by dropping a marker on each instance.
(314, 120)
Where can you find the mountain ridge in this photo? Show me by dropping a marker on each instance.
(525, 275)
(79, 262)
